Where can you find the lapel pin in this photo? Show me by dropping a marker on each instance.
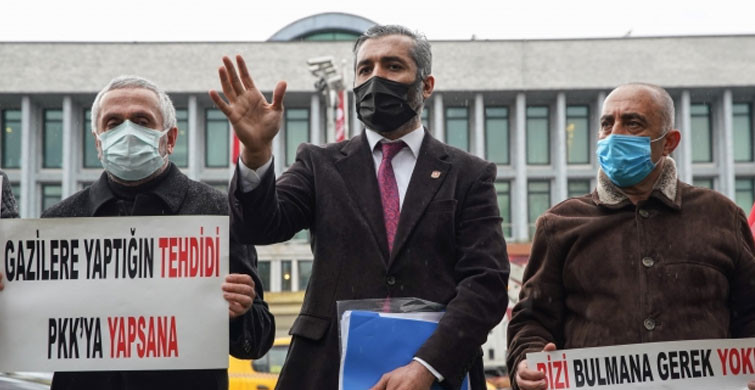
(435, 174)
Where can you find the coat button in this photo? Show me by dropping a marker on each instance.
(648, 262)
(390, 280)
(644, 213)
(649, 324)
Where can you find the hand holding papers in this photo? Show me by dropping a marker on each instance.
(376, 343)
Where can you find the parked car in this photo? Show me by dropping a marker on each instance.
(260, 374)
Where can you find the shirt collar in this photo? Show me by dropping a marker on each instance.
(413, 139)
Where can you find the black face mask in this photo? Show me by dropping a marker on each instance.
(382, 105)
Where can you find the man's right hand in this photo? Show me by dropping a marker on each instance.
(532, 379)
(255, 121)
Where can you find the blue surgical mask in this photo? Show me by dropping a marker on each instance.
(131, 152)
(625, 159)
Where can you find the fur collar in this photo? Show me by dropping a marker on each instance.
(666, 185)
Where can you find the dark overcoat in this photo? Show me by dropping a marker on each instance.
(251, 335)
(8, 208)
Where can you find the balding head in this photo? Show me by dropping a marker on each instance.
(663, 102)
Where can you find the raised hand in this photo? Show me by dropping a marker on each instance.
(254, 120)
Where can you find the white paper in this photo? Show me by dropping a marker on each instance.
(167, 314)
(721, 364)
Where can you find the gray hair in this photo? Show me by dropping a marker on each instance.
(167, 110)
(663, 99)
(421, 53)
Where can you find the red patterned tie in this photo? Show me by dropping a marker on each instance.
(389, 189)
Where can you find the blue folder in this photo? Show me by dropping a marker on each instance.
(376, 345)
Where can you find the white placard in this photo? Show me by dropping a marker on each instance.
(720, 364)
(120, 293)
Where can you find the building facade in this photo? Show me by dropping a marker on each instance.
(531, 107)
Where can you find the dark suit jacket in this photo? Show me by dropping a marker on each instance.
(448, 248)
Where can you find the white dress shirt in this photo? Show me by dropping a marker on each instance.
(403, 162)
(403, 166)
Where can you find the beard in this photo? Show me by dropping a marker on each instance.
(415, 98)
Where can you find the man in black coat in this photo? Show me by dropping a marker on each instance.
(8, 209)
(134, 122)
(393, 212)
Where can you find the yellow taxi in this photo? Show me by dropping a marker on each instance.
(260, 374)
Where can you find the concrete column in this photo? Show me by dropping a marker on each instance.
(595, 126)
(683, 154)
(356, 124)
(520, 230)
(726, 145)
(196, 149)
(439, 125)
(279, 155)
(315, 123)
(29, 157)
(599, 104)
(560, 190)
(275, 274)
(72, 142)
(479, 126)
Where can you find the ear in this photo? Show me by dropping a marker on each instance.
(671, 141)
(428, 85)
(172, 137)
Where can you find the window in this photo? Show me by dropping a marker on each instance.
(180, 154)
(217, 139)
(425, 117)
(702, 149)
(301, 235)
(271, 362)
(51, 194)
(286, 275)
(222, 186)
(457, 127)
(497, 134)
(742, 126)
(577, 135)
(538, 141)
(578, 187)
(53, 139)
(297, 131)
(330, 36)
(263, 270)
(305, 272)
(705, 182)
(538, 201)
(744, 193)
(503, 192)
(90, 148)
(11, 139)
